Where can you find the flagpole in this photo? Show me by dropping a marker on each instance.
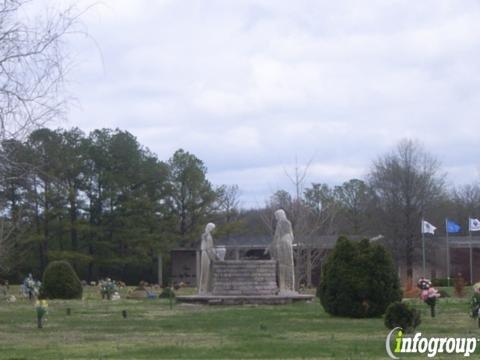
(423, 249)
(448, 254)
(471, 257)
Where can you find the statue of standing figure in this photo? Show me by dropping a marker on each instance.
(208, 255)
(281, 250)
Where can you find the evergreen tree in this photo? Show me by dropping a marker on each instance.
(358, 280)
(192, 197)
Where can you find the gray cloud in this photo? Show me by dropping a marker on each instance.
(249, 85)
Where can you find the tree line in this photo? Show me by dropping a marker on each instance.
(101, 201)
(402, 187)
(109, 206)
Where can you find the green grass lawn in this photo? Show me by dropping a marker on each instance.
(96, 330)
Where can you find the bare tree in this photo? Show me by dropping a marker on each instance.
(466, 201)
(298, 177)
(6, 231)
(407, 184)
(33, 63)
(227, 207)
(312, 212)
(229, 201)
(357, 207)
(13, 177)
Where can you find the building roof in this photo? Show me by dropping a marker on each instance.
(327, 241)
(323, 241)
(458, 241)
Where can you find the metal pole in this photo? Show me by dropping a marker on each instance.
(423, 250)
(309, 267)
(471, 258)
(160, 270)
(448, 254)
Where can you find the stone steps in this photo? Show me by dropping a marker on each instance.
(244, 277)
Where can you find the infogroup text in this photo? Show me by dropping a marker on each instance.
(417, 344)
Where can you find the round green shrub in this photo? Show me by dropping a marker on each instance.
(61, 282)
(358, 280)
(402, 315)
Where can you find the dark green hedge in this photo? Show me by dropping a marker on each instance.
(61, 282)
(402, 315)
(358, 280)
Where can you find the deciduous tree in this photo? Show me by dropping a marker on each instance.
(408, 184)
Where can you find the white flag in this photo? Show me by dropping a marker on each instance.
(428, 228)
(473, 224)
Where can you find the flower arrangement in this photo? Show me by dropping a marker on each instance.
(108, 287)
(31, 288)
(475, 303)
(428, 293)
(41, 307)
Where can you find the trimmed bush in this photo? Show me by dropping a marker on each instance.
(60, 282)
(401, 314)
(358, 280)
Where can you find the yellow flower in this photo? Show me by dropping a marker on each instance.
(44, 303)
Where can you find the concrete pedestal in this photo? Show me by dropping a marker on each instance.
(244, 277)
(237, 282)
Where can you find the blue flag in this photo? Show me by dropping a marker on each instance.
(453, 227)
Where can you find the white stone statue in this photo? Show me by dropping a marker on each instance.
(208, 255)
(221, 251)
(281, 250)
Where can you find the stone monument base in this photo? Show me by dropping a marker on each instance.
(244, 277)
(237, 282)
(244, 299)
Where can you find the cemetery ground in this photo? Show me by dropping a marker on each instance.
(96, 329)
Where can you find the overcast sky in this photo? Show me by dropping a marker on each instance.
(247, 86)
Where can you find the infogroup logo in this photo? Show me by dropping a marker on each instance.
(417, 344)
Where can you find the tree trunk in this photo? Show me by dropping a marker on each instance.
(309, 267)
(44, 244)
(409, 257)
(73, 218)
(90, 264)
(37, 223)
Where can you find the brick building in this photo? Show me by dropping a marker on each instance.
(185, 261)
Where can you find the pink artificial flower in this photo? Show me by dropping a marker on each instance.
(432, 292)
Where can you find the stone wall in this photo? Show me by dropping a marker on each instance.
(244, 277)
